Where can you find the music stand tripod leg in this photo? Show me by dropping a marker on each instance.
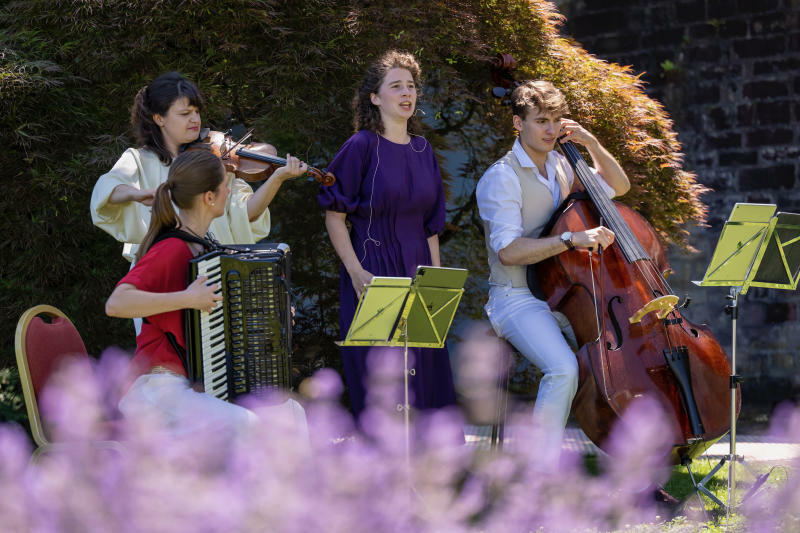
(734, 311)
(406, 406)
(733, 458)
(700, 487)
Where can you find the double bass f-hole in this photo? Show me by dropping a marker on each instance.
(615, 324)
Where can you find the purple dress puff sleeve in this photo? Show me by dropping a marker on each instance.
(348, 166)
(435, 217)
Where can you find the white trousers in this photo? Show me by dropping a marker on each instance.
(170, 401)
(529, 325)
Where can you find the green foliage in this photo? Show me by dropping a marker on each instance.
(69, 71)
(12, 405)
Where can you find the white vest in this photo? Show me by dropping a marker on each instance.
(537, 208)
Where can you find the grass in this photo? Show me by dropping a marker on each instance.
(691, 515)
(713, 518)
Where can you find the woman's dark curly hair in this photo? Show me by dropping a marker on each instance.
(367, 116)
(156, 99)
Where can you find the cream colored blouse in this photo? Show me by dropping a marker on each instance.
(128, 222)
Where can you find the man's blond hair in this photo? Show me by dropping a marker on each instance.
(538, 94)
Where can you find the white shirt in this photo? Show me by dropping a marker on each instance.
(499, 194)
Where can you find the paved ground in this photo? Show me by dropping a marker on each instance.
(752, 447)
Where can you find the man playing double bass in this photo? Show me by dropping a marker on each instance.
(516, 196)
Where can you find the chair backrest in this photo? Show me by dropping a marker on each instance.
(41, 348)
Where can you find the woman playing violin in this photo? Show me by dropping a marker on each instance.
(165, 117)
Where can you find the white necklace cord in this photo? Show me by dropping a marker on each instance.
(371, 195)
(369, 237)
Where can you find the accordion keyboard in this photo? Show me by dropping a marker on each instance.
(212, 334)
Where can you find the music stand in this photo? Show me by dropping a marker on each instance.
(399, 311)
(756, 248)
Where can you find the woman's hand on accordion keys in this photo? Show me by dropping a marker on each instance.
(201, 296)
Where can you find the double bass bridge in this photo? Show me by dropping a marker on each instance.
(663, 305)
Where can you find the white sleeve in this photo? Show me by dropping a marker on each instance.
(127, 221)
(243, 230)
(499, 197)
(609, 190)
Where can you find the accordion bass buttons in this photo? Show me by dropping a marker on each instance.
(236, 368)
(256, 318)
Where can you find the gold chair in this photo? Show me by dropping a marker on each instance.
(42, 348)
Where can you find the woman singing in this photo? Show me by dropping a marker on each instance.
(390, 190)
(165, 116)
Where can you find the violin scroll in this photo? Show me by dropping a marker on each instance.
(326, 178)
(503, 67)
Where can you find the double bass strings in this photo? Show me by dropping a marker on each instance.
(629, 244)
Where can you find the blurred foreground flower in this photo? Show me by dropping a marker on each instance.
(338, 480)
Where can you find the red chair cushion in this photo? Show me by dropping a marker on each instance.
(47, 346)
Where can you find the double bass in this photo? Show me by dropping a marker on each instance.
(633, 340)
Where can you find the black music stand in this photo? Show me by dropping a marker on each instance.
(757, 248)
(398, 311)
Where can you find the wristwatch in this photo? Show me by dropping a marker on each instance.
(566, 238)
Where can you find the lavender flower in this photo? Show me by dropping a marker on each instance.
(335, 478)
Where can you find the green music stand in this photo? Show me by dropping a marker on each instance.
(407, 312)
(757, 248)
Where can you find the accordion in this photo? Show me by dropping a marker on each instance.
(244, 345)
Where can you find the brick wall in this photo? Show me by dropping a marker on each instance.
(728, 72)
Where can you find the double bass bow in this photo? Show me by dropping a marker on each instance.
(633, 340)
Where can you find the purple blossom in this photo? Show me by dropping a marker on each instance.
(336, 479)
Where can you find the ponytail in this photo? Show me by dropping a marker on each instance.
(192, 174)
(162, 217)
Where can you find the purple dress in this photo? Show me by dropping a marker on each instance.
(392, 209)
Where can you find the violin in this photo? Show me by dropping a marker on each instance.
(252, 161)
(633, 340)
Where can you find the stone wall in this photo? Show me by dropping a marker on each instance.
(728, 72)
